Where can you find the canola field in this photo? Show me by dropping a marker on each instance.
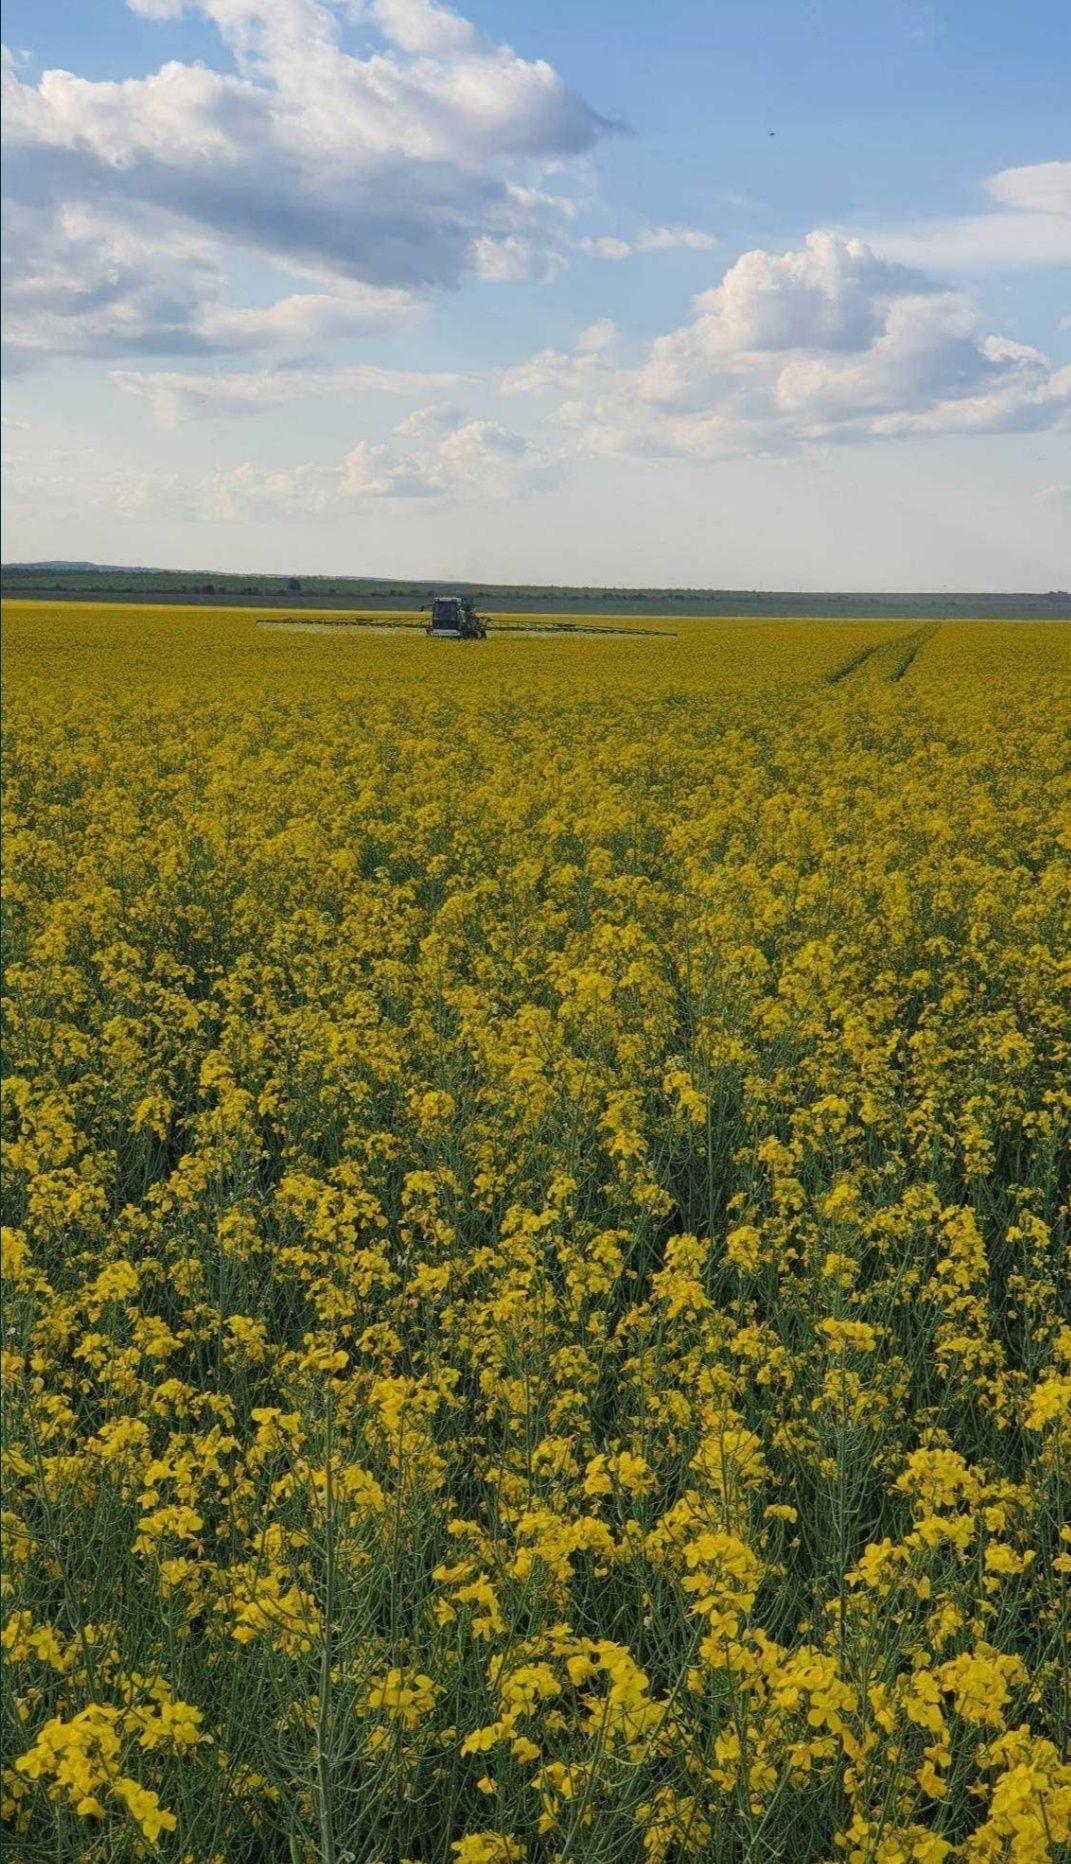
(536, 1281)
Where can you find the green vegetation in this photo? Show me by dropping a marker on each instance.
(80, 582)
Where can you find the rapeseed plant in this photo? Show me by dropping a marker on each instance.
(536, 1288)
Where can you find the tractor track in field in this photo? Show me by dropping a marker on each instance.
(904, 648)
(850, 666)
(913, 645)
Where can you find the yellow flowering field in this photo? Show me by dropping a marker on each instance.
(536, 1288)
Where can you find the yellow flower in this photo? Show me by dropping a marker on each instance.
(844, 1336)
(1049, 1400)
(742, 1247)
(488, 1848)
(404, 1697)
(981, 1683)
(144, 1808)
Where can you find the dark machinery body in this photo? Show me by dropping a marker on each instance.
(454, 618)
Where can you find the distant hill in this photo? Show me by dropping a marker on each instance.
(50, 563)
(64, 563)
(102, 582)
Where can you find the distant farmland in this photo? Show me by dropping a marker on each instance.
(45, 582)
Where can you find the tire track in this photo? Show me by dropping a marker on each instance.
(914, 644)
(850, 666)
(903, 649)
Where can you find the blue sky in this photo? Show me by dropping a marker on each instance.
(747, 295)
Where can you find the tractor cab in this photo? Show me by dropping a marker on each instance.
(454, 618)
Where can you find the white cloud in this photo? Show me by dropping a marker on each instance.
(466, 461)
(830, 342)
(176, 396)
(604, 246)
(77, 282)
(421, 26)
(83, 283)
(379, 177)
(596, 338)
(248, 491)
(1033, 226)
(828, 295)
(437, 418)
(673, 238)
(305, 320)
(552, 371)
(1025, 401)
(513, 259)
(79, 481)
(1041, 188)
(478, 459)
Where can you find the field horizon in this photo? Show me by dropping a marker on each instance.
(83, 583)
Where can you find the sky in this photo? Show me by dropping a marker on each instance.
(758, 294)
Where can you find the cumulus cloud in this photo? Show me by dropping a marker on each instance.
(552, 371)
(467, 461)
(376, 177)
(829, 342)
(478, 459)
(1025, 399)
(827, 296)
(235, 493)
